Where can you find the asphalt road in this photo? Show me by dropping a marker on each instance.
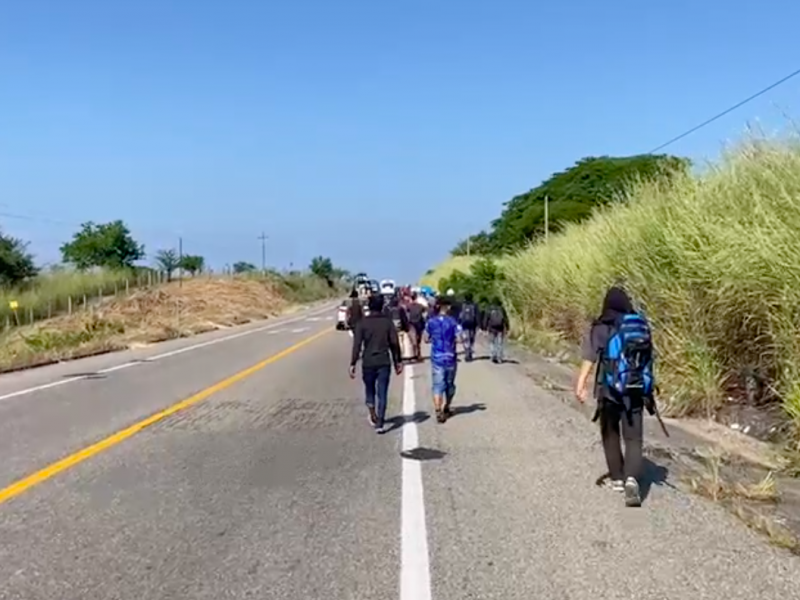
(265, 481)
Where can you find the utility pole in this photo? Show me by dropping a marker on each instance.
(180, 262)
(546, 218)
(263, 238)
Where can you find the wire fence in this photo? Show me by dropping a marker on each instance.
(67, 294)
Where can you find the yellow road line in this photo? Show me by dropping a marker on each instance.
(67, 462)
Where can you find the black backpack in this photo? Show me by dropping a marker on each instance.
(469, 314)
(495, 320)
(416, 313)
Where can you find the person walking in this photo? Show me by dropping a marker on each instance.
(469, 318)
(416, 326)
(496, 325)
(442, 332)
(619, 343)
(375, 342)
(355, 312)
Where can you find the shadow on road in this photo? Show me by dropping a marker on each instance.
(423, 454)
(465, 410)
(509, 361)
(653, 475)
(400, 420)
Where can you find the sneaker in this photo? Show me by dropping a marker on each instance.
(618, 485)
(632, 497)
(381, 429)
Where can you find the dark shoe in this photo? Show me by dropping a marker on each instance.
(440, 417)
(372, 417)
(447, 412)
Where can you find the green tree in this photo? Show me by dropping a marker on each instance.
(167, 261)
(572, 196)
(243, 267)
(322, 267)
(483, 281)
(192, 264)
(16, 263)
(108, 245)
(479, 244)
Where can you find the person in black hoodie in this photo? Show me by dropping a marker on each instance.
(614, 422)
(376, 342)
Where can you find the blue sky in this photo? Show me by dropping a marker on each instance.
(377, 133)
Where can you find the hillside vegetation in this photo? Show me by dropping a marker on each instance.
(157, 313)
(102, 298)
(714, 262)
(571, 196)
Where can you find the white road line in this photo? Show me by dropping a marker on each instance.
(300, 329)
(277, 331)
(157, 357)
(415, 572)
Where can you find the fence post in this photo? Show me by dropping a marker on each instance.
(149, 278)
(30, 315)
(127, 287)
(49, 310)
(69, 305)
(85, 303)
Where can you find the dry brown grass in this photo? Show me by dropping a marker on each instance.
(752, 502)
(146, 316)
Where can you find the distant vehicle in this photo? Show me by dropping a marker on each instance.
(341, 317)
(388, 286)
(375, 286)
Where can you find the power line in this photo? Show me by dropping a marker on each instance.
(726, 111)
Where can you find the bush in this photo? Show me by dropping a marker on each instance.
(484, 281)
(714, 261)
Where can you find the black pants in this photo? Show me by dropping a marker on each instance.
(614, 427)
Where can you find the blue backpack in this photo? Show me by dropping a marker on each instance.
(626, 364)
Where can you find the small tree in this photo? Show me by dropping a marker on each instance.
(108, 245)
(192, 264)
(243, 267)
(16, 263)
(322, 267)
(167, 261)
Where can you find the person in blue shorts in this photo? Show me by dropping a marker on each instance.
(442, 332)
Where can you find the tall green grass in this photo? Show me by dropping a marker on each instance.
(713, 260)
(51, 294)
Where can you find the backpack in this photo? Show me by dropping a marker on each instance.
(415, 313)
(495, 319)
(395, 315)
(626, 362)
(469, 314)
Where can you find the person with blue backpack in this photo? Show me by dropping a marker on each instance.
(619, 345)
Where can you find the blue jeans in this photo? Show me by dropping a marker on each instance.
(497, 337)
(376, 386)
(443, 381)
(468, 339)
